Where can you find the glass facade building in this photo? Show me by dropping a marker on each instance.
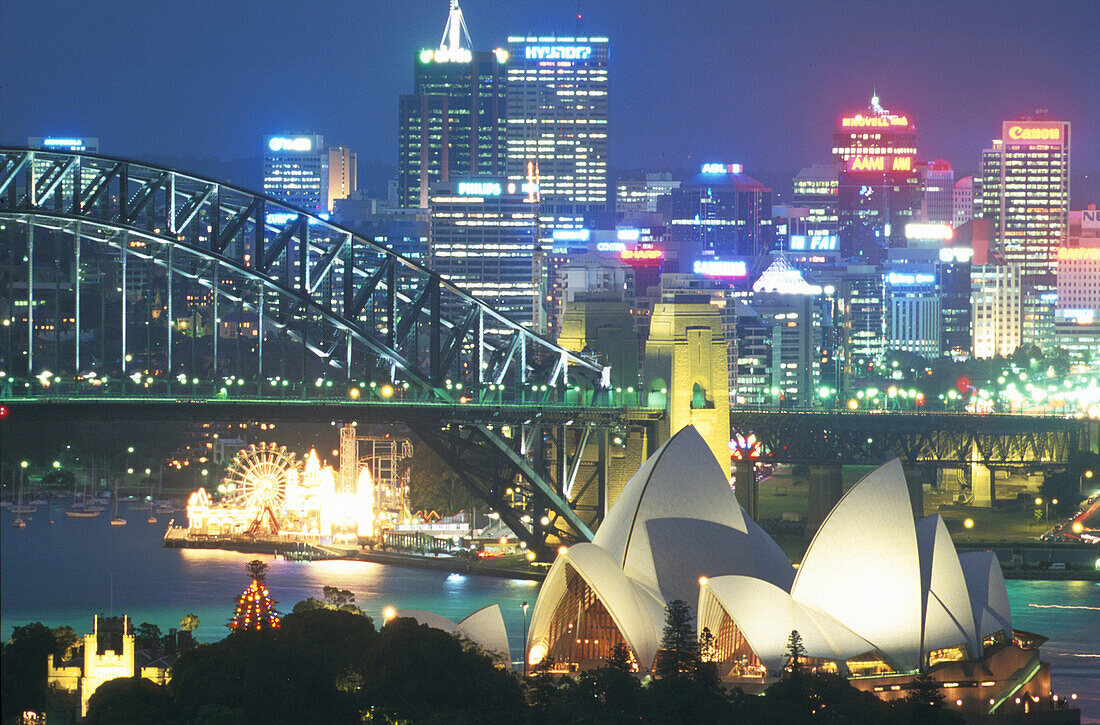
(453, 124)
(558, 125)
(1025, 194)
(482, 236)
(296, 170)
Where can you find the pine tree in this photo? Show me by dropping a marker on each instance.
(796, 651)
(619, 658)
(255, 610)
(679, 653)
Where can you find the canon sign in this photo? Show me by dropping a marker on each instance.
(1018, 132)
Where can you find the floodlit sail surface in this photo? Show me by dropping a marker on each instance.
(863, 567)
(675, 521)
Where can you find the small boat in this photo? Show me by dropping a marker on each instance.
(39, 502)
(19, 523)
(20, 509)
(116, 521)
(152, 519)
(165, 508)
(83, 513)
(5, 503)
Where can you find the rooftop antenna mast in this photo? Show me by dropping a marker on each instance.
(455, 30)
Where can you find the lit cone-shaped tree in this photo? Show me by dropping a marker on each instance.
(255, 610)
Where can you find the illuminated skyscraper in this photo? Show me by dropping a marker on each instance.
(1025, 195)
(341, 174)
(296, 170)
(558, 124)
(880, 189)
(720, 212)
(482, 238)
(453, 124)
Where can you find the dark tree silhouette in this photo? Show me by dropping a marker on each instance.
(257, 570)
(619, 658)
(679, 652)
(796, 652)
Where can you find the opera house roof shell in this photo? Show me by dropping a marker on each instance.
(876, 588)
(675, 521)
(485, 627)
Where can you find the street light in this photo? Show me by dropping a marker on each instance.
(524, 608)
(1081, 481)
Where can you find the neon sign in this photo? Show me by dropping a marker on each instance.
(720, 268)
(814, 242)
(941, 232)
(447, 55)
(558, 52)
(859, 121)
(649, 255)
(903, 278)
(479, 188)
(628, 235)
(1033, 133)
(721, 169)
(571, 235)
(301, 143)
(880, 163)
(67, 142)
(610, 247)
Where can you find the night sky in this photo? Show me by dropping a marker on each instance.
(760, 83)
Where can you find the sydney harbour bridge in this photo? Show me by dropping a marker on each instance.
(131, 291)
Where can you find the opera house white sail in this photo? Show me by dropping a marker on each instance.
(485, 628)
(878, 596)
(675, 521)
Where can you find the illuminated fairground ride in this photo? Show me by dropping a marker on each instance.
(267, 492)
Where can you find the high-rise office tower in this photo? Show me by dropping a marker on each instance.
(938, 189)
(341, 174)
(558, 125)
(966, 200)
(482, 238)
(720, 212)
(880, 188)
(296, 170)
(815, 189)
(1025, 195)
(453, 124)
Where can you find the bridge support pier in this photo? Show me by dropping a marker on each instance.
(826, 488)
(983, 486)
(746, 486)
(914, 481)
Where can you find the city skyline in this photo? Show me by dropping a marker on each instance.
(666, 111)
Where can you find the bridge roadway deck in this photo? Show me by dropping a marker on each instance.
(323, 409)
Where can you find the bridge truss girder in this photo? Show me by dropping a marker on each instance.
(184, 244)
(945, 440)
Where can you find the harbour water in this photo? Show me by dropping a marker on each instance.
(64, 572)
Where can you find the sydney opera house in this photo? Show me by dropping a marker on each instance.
(879, 597)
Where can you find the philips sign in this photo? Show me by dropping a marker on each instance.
(301, 143)
(558, 52)
(478, 188)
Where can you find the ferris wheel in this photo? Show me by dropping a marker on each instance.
(257, 478)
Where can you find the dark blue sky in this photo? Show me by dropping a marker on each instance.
(754, 82)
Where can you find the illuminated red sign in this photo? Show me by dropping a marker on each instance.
(880, 163)
(859, 121)
(648, 255)
(1034, 133)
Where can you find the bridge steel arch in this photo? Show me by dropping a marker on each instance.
(130, 279)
